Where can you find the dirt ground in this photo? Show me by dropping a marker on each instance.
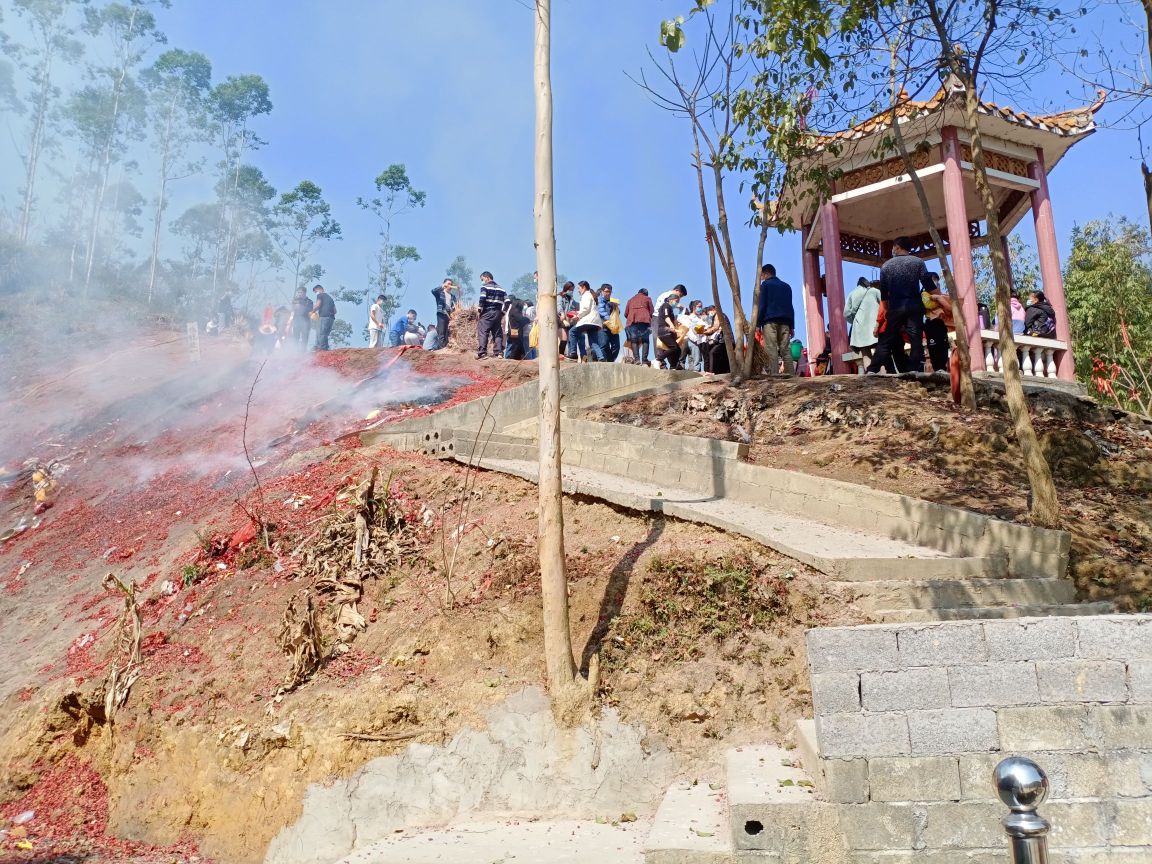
(906, 436)
(701, 634)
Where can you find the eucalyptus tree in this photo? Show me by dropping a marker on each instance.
(558, 660)
(395, 196)
(233, 105)
(178, 84)
(302, 219)
(130, 32)
(52, 26)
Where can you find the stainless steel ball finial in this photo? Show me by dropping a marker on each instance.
(1023, 786)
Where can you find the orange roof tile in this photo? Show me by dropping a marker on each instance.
(1072, 122)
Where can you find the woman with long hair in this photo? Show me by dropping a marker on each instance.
(586, 331)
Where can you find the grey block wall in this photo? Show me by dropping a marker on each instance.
(911, 720)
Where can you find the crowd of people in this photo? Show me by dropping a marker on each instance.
(895, 323)
(907, 306)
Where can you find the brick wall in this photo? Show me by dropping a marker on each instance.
(911, 720)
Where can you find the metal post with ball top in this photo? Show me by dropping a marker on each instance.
(1023, 786)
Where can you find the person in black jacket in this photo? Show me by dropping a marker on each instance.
(776, 320)
(325, 310)
(445, 296)
(902, 278)
(491, 323)
(301, 322)
(1039, 317)
(518, 325)
(667, 338)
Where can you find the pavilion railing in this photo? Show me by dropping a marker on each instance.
(1037, 356)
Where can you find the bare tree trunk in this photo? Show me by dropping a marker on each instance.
(157, 221)
(741, 332)
(106, 166)
(967, 390)
(1146, 173)
(1045, 505)
(553, 580)
(37, 141)
(710, 239)
(750, 354)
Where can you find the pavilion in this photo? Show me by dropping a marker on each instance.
(872, 201)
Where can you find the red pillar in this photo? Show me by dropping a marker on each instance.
(960, 245)
(813, 297)
(1049, 254)
(834, 280)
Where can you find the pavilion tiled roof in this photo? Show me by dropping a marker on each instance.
(1076, 121)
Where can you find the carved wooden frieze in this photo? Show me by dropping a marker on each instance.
(998, 162)
(880, 171)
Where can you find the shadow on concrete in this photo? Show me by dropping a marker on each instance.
(617, 589)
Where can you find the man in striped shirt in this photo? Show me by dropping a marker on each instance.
(491, 322)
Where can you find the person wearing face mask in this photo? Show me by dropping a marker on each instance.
(694, 361)
(588, 324)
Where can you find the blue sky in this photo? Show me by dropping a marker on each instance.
(445, 87)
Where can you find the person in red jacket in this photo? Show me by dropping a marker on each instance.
(638, 314)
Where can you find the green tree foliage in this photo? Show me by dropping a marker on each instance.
(178, 84)
(1025, 270)
(341, 335)
(302, 219)
(524, 286)
(52, 43)
(395, 196)
(129, 31)
(233, 106)
(1108, 286)
(461, 273)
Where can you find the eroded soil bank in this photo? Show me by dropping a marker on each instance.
(700, 634)
(906, 436)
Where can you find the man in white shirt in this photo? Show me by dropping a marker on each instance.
(376, 323)
(680, 293)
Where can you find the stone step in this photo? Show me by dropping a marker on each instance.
(532, 842)
(918, 569)
(773, 811)
(808, 752)
(831, 550)
(902, 616)
(691, 827)
(940, 594)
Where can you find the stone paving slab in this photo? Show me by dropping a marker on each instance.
(825, 547)
(511, 842)
(901, 616)
(691, 827)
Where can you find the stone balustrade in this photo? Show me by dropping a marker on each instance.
(1037, 356)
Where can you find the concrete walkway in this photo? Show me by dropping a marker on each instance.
(891, 578)
(512, 842)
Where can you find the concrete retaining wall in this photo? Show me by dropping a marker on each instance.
(715, 468)
(911, 720)
(1031, 552)
(594, 383)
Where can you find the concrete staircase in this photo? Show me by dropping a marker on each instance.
(902, 559)
(767, 811)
